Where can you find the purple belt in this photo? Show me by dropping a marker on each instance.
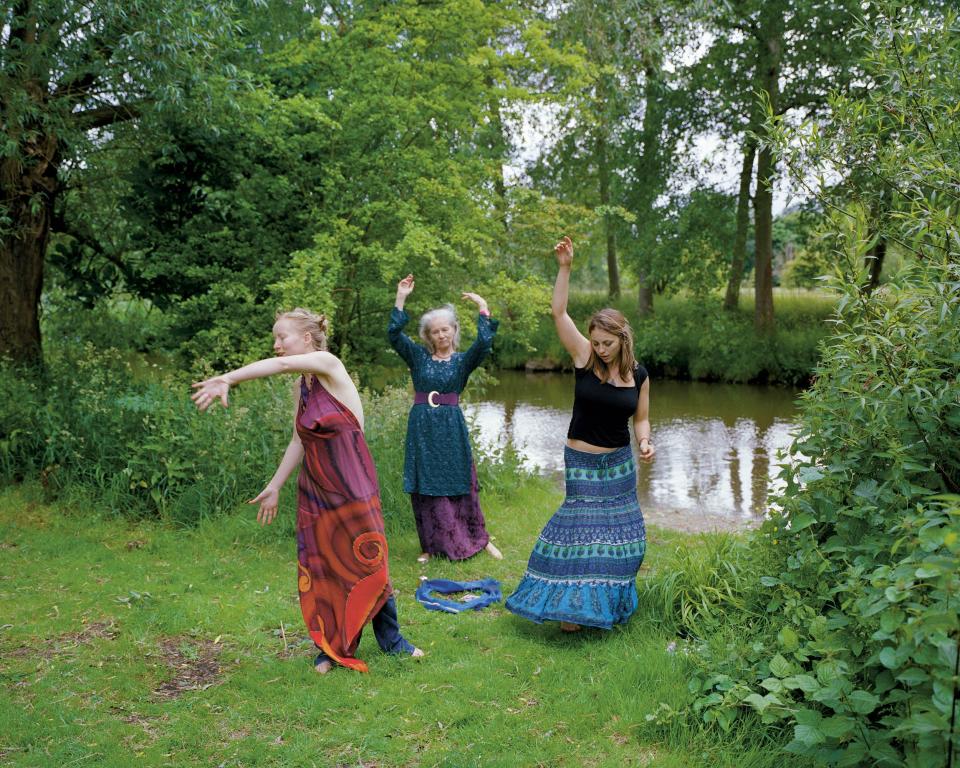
(435, 399)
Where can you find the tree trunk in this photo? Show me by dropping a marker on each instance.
(768, 70)
(732, 300)
(498, 151)
(763, 240)
(644, 297)
(21, 280)
(28, 186)
(613, 272)
(650, 169)
(874, 263)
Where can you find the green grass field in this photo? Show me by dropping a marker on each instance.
(130, 642)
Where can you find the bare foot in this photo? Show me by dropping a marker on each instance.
(323, 667)
(417, 653)
(424, 557)
(492, 550)
(566, 626)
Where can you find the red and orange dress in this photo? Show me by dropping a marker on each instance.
(344, 581)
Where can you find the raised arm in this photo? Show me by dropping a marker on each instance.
(486, 330)
(573, 341)
(402, 343)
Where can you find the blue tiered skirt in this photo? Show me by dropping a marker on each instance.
(583, 568)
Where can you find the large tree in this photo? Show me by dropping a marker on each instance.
(620, 127)
(71, 72)
(793, 53)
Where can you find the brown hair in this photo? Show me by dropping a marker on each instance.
(613, 322)
(308, 322)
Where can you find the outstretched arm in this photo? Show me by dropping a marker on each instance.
(322, 364)
(573, 341)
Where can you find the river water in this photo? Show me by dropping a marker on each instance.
(717, 445)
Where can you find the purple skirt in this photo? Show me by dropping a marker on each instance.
(452, 526)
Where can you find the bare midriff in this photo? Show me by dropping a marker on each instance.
(579, 445)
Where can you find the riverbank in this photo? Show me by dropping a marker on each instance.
(697, 340)
(185, 647)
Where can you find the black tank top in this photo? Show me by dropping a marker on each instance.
(601, 411)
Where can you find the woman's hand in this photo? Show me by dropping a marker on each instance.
(646, 449)
(478, 300)
(268, 499)
(208, 391)
(564, 252)
(404, 289)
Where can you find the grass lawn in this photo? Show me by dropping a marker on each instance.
(140, 643)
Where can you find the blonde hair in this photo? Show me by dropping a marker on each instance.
(446, 312)
(308, 322)
(613, 322)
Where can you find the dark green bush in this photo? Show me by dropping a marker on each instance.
(861, 650)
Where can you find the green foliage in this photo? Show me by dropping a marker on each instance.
(808, 268)
(123, 434)
(698, 582)
(694, 338)
(694, 243)
(133, 441)
(861, 653)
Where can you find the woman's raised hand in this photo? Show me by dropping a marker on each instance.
(564, 252)
(210, 390)
(476, 299)
(405, 287)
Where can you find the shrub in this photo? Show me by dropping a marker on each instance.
(860, 656)
(124, 435)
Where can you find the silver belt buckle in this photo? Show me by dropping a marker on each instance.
(430, 399)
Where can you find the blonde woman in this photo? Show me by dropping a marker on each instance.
(343, 581)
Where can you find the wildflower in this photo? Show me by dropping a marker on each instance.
(672, 647)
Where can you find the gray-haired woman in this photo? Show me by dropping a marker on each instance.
(438, 471)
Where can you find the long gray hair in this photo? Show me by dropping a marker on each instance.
(446, 312)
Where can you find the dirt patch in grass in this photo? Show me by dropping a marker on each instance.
(148, 724)
(98, 630)
(193, 663)
(48, 648)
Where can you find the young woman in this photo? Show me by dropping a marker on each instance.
(342, 551)
(583, 568)
(438, 470)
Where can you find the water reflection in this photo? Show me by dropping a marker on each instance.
(717, 444)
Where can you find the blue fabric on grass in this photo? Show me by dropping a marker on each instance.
(490, 589)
